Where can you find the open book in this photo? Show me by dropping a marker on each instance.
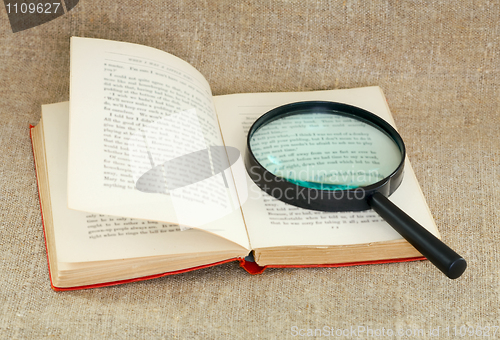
(133, 107)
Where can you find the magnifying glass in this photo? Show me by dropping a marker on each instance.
(336, 157)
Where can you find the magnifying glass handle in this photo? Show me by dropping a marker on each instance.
(442, 256)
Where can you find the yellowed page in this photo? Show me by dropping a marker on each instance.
(82, 237)
(272, 223)
(133, 108)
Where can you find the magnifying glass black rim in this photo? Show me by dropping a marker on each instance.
(316, 199)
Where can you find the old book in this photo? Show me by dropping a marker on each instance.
(133, 107)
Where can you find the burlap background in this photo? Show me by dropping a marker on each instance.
(438, 63)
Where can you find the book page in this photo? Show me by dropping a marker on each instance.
(139, 116)
(272, 223)
(83, 237)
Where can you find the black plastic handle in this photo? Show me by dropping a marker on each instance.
(442, 256)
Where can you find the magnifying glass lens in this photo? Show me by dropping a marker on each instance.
(325, 151)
